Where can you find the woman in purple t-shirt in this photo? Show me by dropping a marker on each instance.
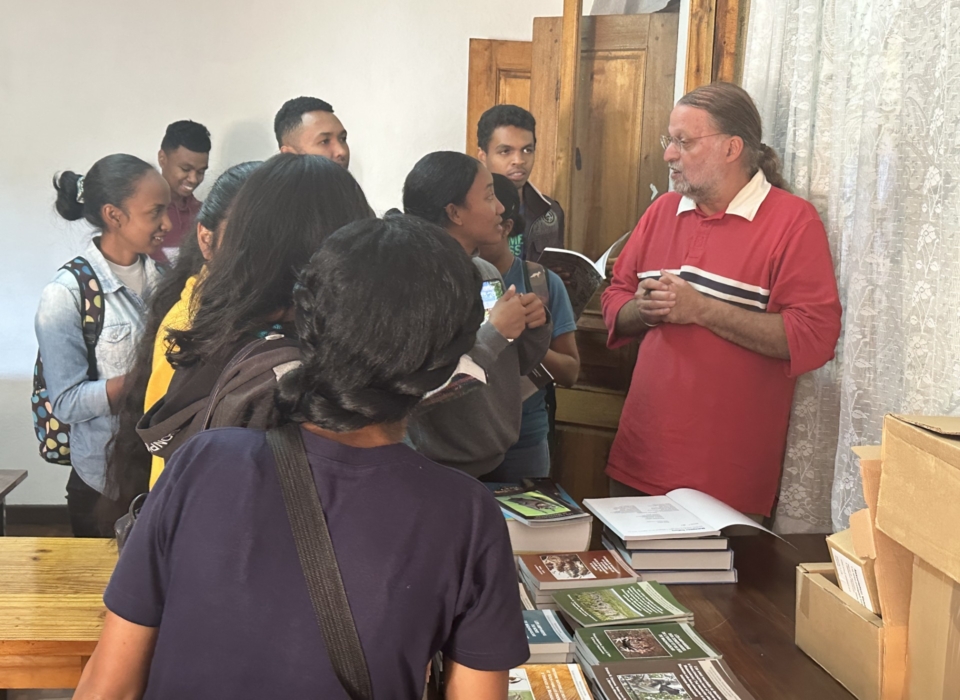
(208, 598)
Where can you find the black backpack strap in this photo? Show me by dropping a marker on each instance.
(319, 561)
(91, 312)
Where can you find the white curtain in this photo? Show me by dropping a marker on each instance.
(862, 100)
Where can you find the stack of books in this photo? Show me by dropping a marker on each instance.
(548, 682)
(671, 640)
(675, 538)
(549, 641)
(543, 574)
(631, 604)
(542, 517)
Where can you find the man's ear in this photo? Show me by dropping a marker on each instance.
(162, 158)
(287, 149)
(453, 213)
(482, 155)
(112, 216)
(205, 238)
(734, 148)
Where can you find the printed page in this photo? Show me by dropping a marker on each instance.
(648, 518)
(716, 514)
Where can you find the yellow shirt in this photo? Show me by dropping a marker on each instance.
(178, 318)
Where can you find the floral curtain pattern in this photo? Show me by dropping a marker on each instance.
(862, 100)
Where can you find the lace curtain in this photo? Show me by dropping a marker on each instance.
(862, 100)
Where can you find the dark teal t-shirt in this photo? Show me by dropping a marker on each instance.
(534, 424)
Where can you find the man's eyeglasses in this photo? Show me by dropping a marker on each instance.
(683, 144)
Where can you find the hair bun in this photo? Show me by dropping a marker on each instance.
(67, 185)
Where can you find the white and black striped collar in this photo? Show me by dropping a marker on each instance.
(745, 204)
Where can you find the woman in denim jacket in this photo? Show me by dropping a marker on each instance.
(126, 200)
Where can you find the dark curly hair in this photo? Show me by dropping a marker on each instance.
(191, 135)
(384, 311)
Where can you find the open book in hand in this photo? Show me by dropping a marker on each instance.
(579, 273)
(467, 376)
(681, 513)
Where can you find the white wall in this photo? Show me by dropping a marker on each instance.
(80, 80)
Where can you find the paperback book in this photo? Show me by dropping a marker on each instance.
(670, 640)
(548, 682)
(704, 679)
(663, 560)
(537, 502)
(548, 639)
(621, 605)
(676, 544)
(558, 571)
(581, 275)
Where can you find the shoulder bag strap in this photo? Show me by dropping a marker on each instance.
(319, 561)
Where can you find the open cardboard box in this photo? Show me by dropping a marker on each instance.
(919, 500)
(841, 635)
(856, 574)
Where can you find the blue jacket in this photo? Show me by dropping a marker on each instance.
(75, 399)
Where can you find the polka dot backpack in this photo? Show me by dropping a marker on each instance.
(53, 434)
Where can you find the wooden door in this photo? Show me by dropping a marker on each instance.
(624, 98)
(499, 74)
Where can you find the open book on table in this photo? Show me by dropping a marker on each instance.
(580, 274)
(681, 513)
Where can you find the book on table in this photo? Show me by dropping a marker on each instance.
(675, 576)
(565, 534)
(560, 570)
(538, 503)
(681, 578)
(681, 514)
(548, 639)
(548, 682)
(526, 602)
(674, 545)
(621, 605)
(702, 679)
(668, 640)
(541, 600)
(581, 275)
(663, 560)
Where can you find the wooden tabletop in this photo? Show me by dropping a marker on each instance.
(51, 592)
(752, 622)
(9, 478)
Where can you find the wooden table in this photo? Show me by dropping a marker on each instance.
(752, 622)
(51, 607)
(51, 613)
(9, 478)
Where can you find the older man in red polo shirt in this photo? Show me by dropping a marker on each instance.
(729, 285)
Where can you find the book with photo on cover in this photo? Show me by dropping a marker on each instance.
(621, 605)
(557, 571)
(537, 502)
(581, 275)
(548, 682)
(704, 679)
(668, 640)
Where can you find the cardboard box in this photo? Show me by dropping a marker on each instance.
(919, 500)
(841, 635)
(894, 563)
(855, 574)
(934, 638)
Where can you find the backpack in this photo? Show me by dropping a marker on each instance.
(241, 397)
(54, 434)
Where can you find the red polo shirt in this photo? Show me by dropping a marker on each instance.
(182, 219)
(702, 412)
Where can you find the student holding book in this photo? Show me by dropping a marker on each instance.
(209, 598)
(529, 457)
(474, 431)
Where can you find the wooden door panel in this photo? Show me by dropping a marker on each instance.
(499, 74)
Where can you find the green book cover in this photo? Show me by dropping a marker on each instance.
(621, 605)
(670, 640)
